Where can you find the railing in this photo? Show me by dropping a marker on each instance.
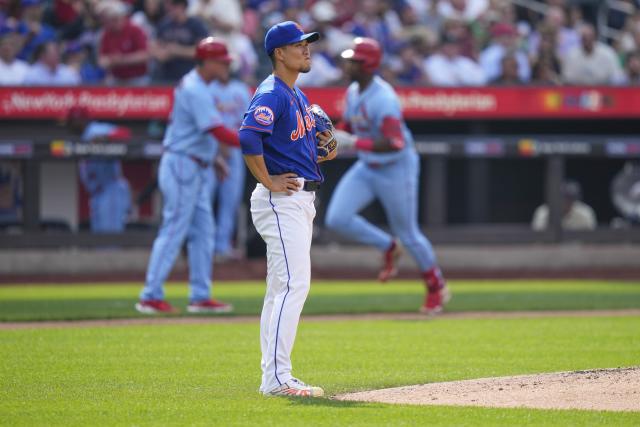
(606, 7)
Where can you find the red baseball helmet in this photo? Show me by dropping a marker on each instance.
(367, 51)
(212, 48)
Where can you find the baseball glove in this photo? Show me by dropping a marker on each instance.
(324, 124)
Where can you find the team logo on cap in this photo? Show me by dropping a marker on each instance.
(298, 26)
(263, 115)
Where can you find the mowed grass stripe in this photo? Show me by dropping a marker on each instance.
(209, 374)
(65, 302)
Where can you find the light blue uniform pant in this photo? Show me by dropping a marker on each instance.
(186, 190)
(109, 208)
(229, 194)
(395, 185)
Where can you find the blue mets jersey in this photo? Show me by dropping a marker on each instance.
(283, 115)
(193, 114)
(365, 112)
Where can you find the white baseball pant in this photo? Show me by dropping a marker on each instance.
(286, 225)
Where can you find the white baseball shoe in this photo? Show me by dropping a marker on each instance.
(296, 388)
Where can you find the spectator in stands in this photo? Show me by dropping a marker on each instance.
(245, 58)
(12, 70)
(123, 50)
(448, 67)
(427, 14)
(498, 11)
(407, 69)
(70, 17)
(177, 37)
(555, 26)
(65, 12)
(632, 69)
(78, 56)
(376, 20)
(591, 63)
(459, 30)
(36, 32)
(415, 31)
(48, 71)
(629, 40)
(87, 25)
(546, 71)
(547, 44)
(504, 39)
(509, 72)
(219, 15)
(148, 17)
(335, 40)
(325, 71)
(467, 10)
(576, 215)
(109, 194)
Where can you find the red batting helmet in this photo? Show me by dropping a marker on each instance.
(212, 48)
(367, 51)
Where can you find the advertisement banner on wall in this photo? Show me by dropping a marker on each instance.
(417, 103)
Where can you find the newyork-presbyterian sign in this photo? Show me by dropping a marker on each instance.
(418, 103)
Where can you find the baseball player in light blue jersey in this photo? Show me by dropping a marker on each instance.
(279, 143)
(232, 99)
(387, 169)
(185, 178)
(109, 193)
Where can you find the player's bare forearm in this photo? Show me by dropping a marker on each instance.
(258, 169)
(285, 183)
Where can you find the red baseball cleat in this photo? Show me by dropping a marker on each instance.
(209, 306)
(437, 292)
(155, 306)
(389, 260)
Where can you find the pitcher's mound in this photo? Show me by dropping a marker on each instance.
(601, 389)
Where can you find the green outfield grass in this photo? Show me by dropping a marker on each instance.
(59, 302)
(208, 374)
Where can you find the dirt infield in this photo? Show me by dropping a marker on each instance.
(602, 389)
(204, 320)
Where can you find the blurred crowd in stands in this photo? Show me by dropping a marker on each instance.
(426, 42)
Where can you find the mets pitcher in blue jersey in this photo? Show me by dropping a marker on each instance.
(279, 143)
(185, 178)
(109, 193)
(387, 169)
(232, 99)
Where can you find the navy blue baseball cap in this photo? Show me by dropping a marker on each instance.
(285, 33)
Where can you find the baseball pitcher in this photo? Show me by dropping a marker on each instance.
(279, 143)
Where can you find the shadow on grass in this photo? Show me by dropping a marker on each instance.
(331, 403)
